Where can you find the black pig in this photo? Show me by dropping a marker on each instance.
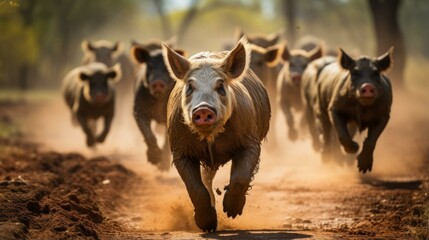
(355, 92)
(89, 94)
(154, 85)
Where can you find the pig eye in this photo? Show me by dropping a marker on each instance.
(375, 74)
(355, 74)
(189, 88)
(221, 88)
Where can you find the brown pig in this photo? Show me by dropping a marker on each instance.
(89, 93)
(289, 83)
(265, 63)
(218, 111)
(354, 92)
(154, 85)
(309, 95)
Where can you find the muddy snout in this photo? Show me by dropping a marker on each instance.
(204, 116)
(100, 97)
(157, 87)
(296, 78)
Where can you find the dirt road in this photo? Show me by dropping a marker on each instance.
(294, 195)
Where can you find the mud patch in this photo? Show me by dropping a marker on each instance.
(46, 195)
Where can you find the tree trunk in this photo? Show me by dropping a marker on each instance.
(165, 23)
(289, 10)
(388, 33)
(26, 12)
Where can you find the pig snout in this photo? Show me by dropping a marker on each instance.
(296, 78)
(367, 90)
(204, 116)
(157, 86)
(100, 97)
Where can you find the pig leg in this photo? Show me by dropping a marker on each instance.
(309, 116)
(208, 175)
(164, 164)
(205, 215)
(327, 139)
(90, 139)
(154, 153)
(365, 158)
(244, 165)
(107, 123)
(293, 134)
(344, 137)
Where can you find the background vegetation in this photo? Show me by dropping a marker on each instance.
(40, 39)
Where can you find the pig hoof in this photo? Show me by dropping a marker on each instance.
(90, 142)
(233, 204)
(206, 219)
(353, 148)
(364, 163)
(293, 134)
(154, 155)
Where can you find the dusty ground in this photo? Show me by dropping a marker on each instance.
(53, 187)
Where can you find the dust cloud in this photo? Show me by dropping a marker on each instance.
(292, 184)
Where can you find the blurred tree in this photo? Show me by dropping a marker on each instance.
(165, 23)
(388, 33)
(45, 31)
(289, 8)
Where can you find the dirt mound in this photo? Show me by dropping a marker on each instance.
(47, 195)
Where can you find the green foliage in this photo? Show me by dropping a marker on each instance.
(19, 43)
(54, 28)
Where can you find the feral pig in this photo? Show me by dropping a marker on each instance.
(265, 64)
(354, 93)
(111, 53)
(289, 83)
(309, 93)
(309, 43)
(154, 85)
(218, 111)
(264, 59)
(89, 94)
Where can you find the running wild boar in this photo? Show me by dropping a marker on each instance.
(110, 53)
(218, 111)
(309, 95)
(154, 85)
(355, 92)
(265, 63)
(89, 93)
(289, 83)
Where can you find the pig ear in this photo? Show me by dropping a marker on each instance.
(272, 54)
(274, 38)
(117, 49)
(115, 73)
(316, 53)
(181, 52)
(236, 63)
(139, 54)
(345, 60)
(87, 46)
(385, 61)
(285, 53)
(84, 77)
(177, 65)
